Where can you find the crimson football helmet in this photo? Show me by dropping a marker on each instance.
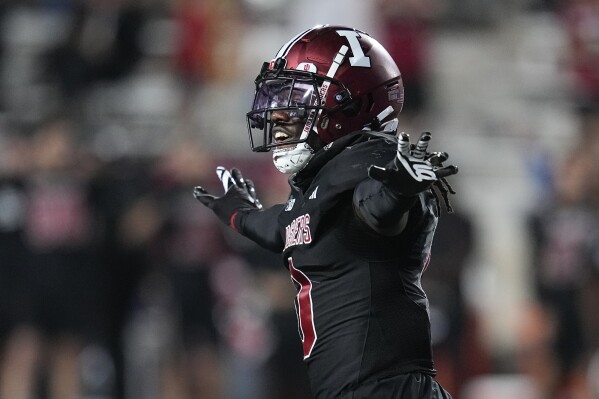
(336, 79)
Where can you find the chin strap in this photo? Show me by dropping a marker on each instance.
(314, 116)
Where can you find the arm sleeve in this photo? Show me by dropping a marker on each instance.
(261, 227)
(383, 211)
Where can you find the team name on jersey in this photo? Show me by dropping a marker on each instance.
(298, 231)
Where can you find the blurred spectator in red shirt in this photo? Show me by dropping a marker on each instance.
(193, 44)
(581, 24)
(406, 34)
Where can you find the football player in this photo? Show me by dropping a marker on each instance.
(357, 229)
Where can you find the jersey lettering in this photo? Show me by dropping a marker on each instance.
(358, 59)
(298, 231)
(304, 309)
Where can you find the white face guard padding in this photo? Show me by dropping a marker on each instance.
(292, 160)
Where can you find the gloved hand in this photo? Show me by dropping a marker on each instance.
(240, 195)
(413, 170)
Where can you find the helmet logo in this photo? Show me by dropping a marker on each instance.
(306, 66)
(358, 59)
(277, 63)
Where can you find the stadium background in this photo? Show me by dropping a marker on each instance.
(114, 284)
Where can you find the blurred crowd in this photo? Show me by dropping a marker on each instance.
(115, 284)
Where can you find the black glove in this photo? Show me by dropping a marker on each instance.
(413, 170)
(240, 195)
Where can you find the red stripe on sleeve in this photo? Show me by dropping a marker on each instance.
(232, 221)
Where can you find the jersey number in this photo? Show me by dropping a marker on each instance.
(303, 309)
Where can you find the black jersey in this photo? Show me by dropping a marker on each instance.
(362, 314)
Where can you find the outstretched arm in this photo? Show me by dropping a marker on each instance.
(383, 201)
(262, 227)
